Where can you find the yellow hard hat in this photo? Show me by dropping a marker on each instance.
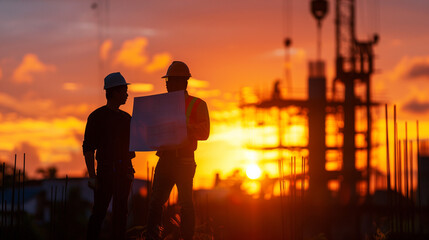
(178, 69)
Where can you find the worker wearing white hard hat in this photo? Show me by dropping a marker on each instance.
(107, 135)
(176, 164)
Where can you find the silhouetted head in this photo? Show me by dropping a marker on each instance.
(116, 88)
(117, 94)
(177, 76)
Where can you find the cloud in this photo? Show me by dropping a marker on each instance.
(207, 93)
(195, 83)
(105, 48)
(69, 86)
(297, 53)
(140, 87)
(132, 53)
(32, 158)
(40, 107)
(1, 73)
(416, 106)
(419, 70)
(159, 62)
(415, 68)
(28, 107)
(73, 110)
(52, 141)
(29, 66)
(248, 95)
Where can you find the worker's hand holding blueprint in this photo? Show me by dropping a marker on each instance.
(158, 121)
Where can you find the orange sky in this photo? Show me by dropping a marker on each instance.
(54, 55)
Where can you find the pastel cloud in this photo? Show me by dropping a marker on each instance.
(29, 66)
(132, 53)
(69, 86)
(297, 53)
(159, 62)
(28, 107)
(140, 87)
(208, 93)
(40, 107)
(105, 48)
(416, 106)
(52, 141)
(415, 68)
(195, 83)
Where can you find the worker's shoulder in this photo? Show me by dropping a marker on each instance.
(198, 99)
(125, 114)
(104, 111)
(97, 112)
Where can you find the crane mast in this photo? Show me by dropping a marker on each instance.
(354, 65)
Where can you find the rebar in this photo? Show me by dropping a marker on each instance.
(281, 195)
(13, 194)
(3, 207)
(387, 151)
(406, 163)
(23, 182)
(419, 190)
(412, 187)
(18, 221)
(52, 214)
(395, 172)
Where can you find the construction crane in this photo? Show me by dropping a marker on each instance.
(354, 66)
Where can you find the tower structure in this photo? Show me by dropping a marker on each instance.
(354, 66)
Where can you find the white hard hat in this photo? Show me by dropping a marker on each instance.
(114, 80)
(178, 69)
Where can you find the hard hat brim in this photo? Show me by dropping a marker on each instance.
(123, 84)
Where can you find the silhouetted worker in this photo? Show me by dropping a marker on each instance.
(108, 133)
(276, 90)
(176, 165)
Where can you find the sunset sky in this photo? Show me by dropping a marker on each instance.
(55, 54)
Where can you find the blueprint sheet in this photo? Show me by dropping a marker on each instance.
(158, 120)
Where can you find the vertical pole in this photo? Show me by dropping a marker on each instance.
(387, 152)
(406, 163)
(65, 209)
(55, 213)
(395, 172)
(23, 184)
(413, 205)
(13, 193)
(51, 226)
(281, 195)
(388, 177)
(407, 195)
(3, 207)
(419, 190)
(400, 189)
(368, 136)
(18, 222)
(294, 195)
(148, 183)
(291, 198)
(303, 198)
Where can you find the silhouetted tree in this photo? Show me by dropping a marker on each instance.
(48, 173)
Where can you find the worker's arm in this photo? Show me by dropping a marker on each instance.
(201, 129)
(89, 146)
(90, 166)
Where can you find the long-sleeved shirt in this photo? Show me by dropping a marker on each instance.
(108, 133)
